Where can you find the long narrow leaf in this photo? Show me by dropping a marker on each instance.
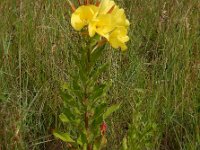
(63, 136)
(110, 110)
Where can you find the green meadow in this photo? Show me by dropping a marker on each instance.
(157, 79)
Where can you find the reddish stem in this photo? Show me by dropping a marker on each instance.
(111, 9)
(97, 3)
(79, 2)
(72, 7)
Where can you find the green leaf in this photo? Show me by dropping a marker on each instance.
(98, 93)
(82, 139)
(63, 118)
(96, 124)
(79, 141)
(124, 144)
(69, 113)
(71, 116)
(65, 96)
(94, 40)
(85, 147)
(110, 110)
(63, 136)
(96, 54)
(77, 111)
(99, 110)
(96, 73)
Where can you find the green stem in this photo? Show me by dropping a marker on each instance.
(89, 146)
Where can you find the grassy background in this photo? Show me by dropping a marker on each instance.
(158, 79)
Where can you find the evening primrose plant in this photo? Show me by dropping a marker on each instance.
(85, 105)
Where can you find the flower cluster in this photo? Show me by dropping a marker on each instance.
(104, 18)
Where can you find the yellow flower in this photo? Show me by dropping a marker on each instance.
(103, 24)
(82, 16)
(109, 7)
(108, 17)
(119, 17)
(118, 38)
(105, 6)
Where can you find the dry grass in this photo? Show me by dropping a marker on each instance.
(158, 79)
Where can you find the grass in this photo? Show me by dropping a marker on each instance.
(158, 79)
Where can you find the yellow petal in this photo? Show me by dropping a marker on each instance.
(103, 25)
(76, 22)
(123, 47)
(82, 16)
(118, 38)
(120, 17)
(105, 6)
(92, 29)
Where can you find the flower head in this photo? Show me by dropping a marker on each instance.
(103, 25)
(82, 16)
(105, 19)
